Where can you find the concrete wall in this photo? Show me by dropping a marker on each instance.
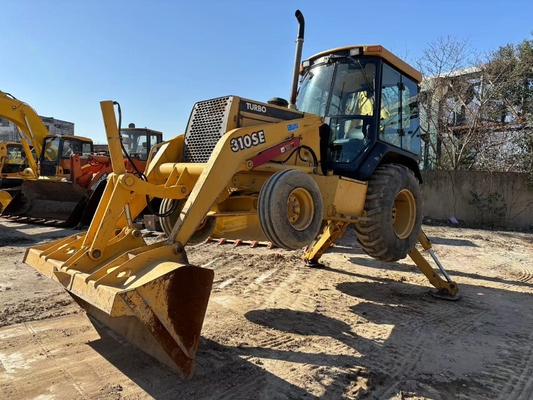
(498, 199)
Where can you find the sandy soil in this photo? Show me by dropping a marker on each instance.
(275, 329)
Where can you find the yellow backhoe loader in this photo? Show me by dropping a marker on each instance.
(344, 151)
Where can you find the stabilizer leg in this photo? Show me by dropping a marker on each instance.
(446, 289)
(332, 232)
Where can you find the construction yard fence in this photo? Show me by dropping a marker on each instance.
(480, 199)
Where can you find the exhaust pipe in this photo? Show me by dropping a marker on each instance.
(297, 58)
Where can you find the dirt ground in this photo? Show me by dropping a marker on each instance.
(357, 328)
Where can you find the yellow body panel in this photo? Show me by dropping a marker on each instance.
(342, 197)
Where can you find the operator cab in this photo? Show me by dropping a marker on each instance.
(368, 98)
(57, 149)
(15, 161)
(138, 141)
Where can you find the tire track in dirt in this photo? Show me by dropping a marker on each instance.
(422, 314)
(511, 273)
(515, 373)
(526, 274)
(252, 384)
(277, 341)
(434, 320)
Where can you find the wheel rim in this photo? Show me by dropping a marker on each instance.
(300, 209)
(202, 224)
(404, 214)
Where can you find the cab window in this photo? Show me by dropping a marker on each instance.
(353, 100)
(314, 90)
(390, 123)
(410, 123)
(86, 149)
(51, 148)
(399, 118)
(155, 139)
(68, 149)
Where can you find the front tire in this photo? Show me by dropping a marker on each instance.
(290, 209)
(203, 231)
(394, 206)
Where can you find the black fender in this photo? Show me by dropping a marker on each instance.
(383, 153)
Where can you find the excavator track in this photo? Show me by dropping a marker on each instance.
(36, 221)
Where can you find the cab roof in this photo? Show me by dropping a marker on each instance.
(379, 51)
(81, 138)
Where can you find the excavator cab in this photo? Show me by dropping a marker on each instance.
(16, 160)
(55, 157)
(14, 164)
(368, 98)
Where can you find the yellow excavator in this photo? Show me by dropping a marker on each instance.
(47, 158)
(62, 185)
(5, 197)
(343, 152)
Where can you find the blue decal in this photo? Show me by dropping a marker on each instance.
(292, 127)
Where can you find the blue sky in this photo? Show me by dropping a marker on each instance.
(157, 58)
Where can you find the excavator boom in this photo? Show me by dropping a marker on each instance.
(28, 124)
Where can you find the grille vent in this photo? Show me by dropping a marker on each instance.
(207, 125)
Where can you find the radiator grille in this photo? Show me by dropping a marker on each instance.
(207, 125)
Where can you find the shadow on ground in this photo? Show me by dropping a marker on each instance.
(422, 329)
(16, 235)
(220, 373)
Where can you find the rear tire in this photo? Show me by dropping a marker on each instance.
(204, 230)
(290, 209)
(394, 206)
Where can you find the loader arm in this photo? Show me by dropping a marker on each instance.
(202, 186)
(149, 293)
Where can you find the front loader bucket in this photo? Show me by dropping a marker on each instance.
(158, 306)
(62, 202)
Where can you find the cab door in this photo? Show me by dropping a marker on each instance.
(399, 110)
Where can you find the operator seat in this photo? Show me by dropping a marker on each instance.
(358, 103)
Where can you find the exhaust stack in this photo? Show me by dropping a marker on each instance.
(297, 58)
